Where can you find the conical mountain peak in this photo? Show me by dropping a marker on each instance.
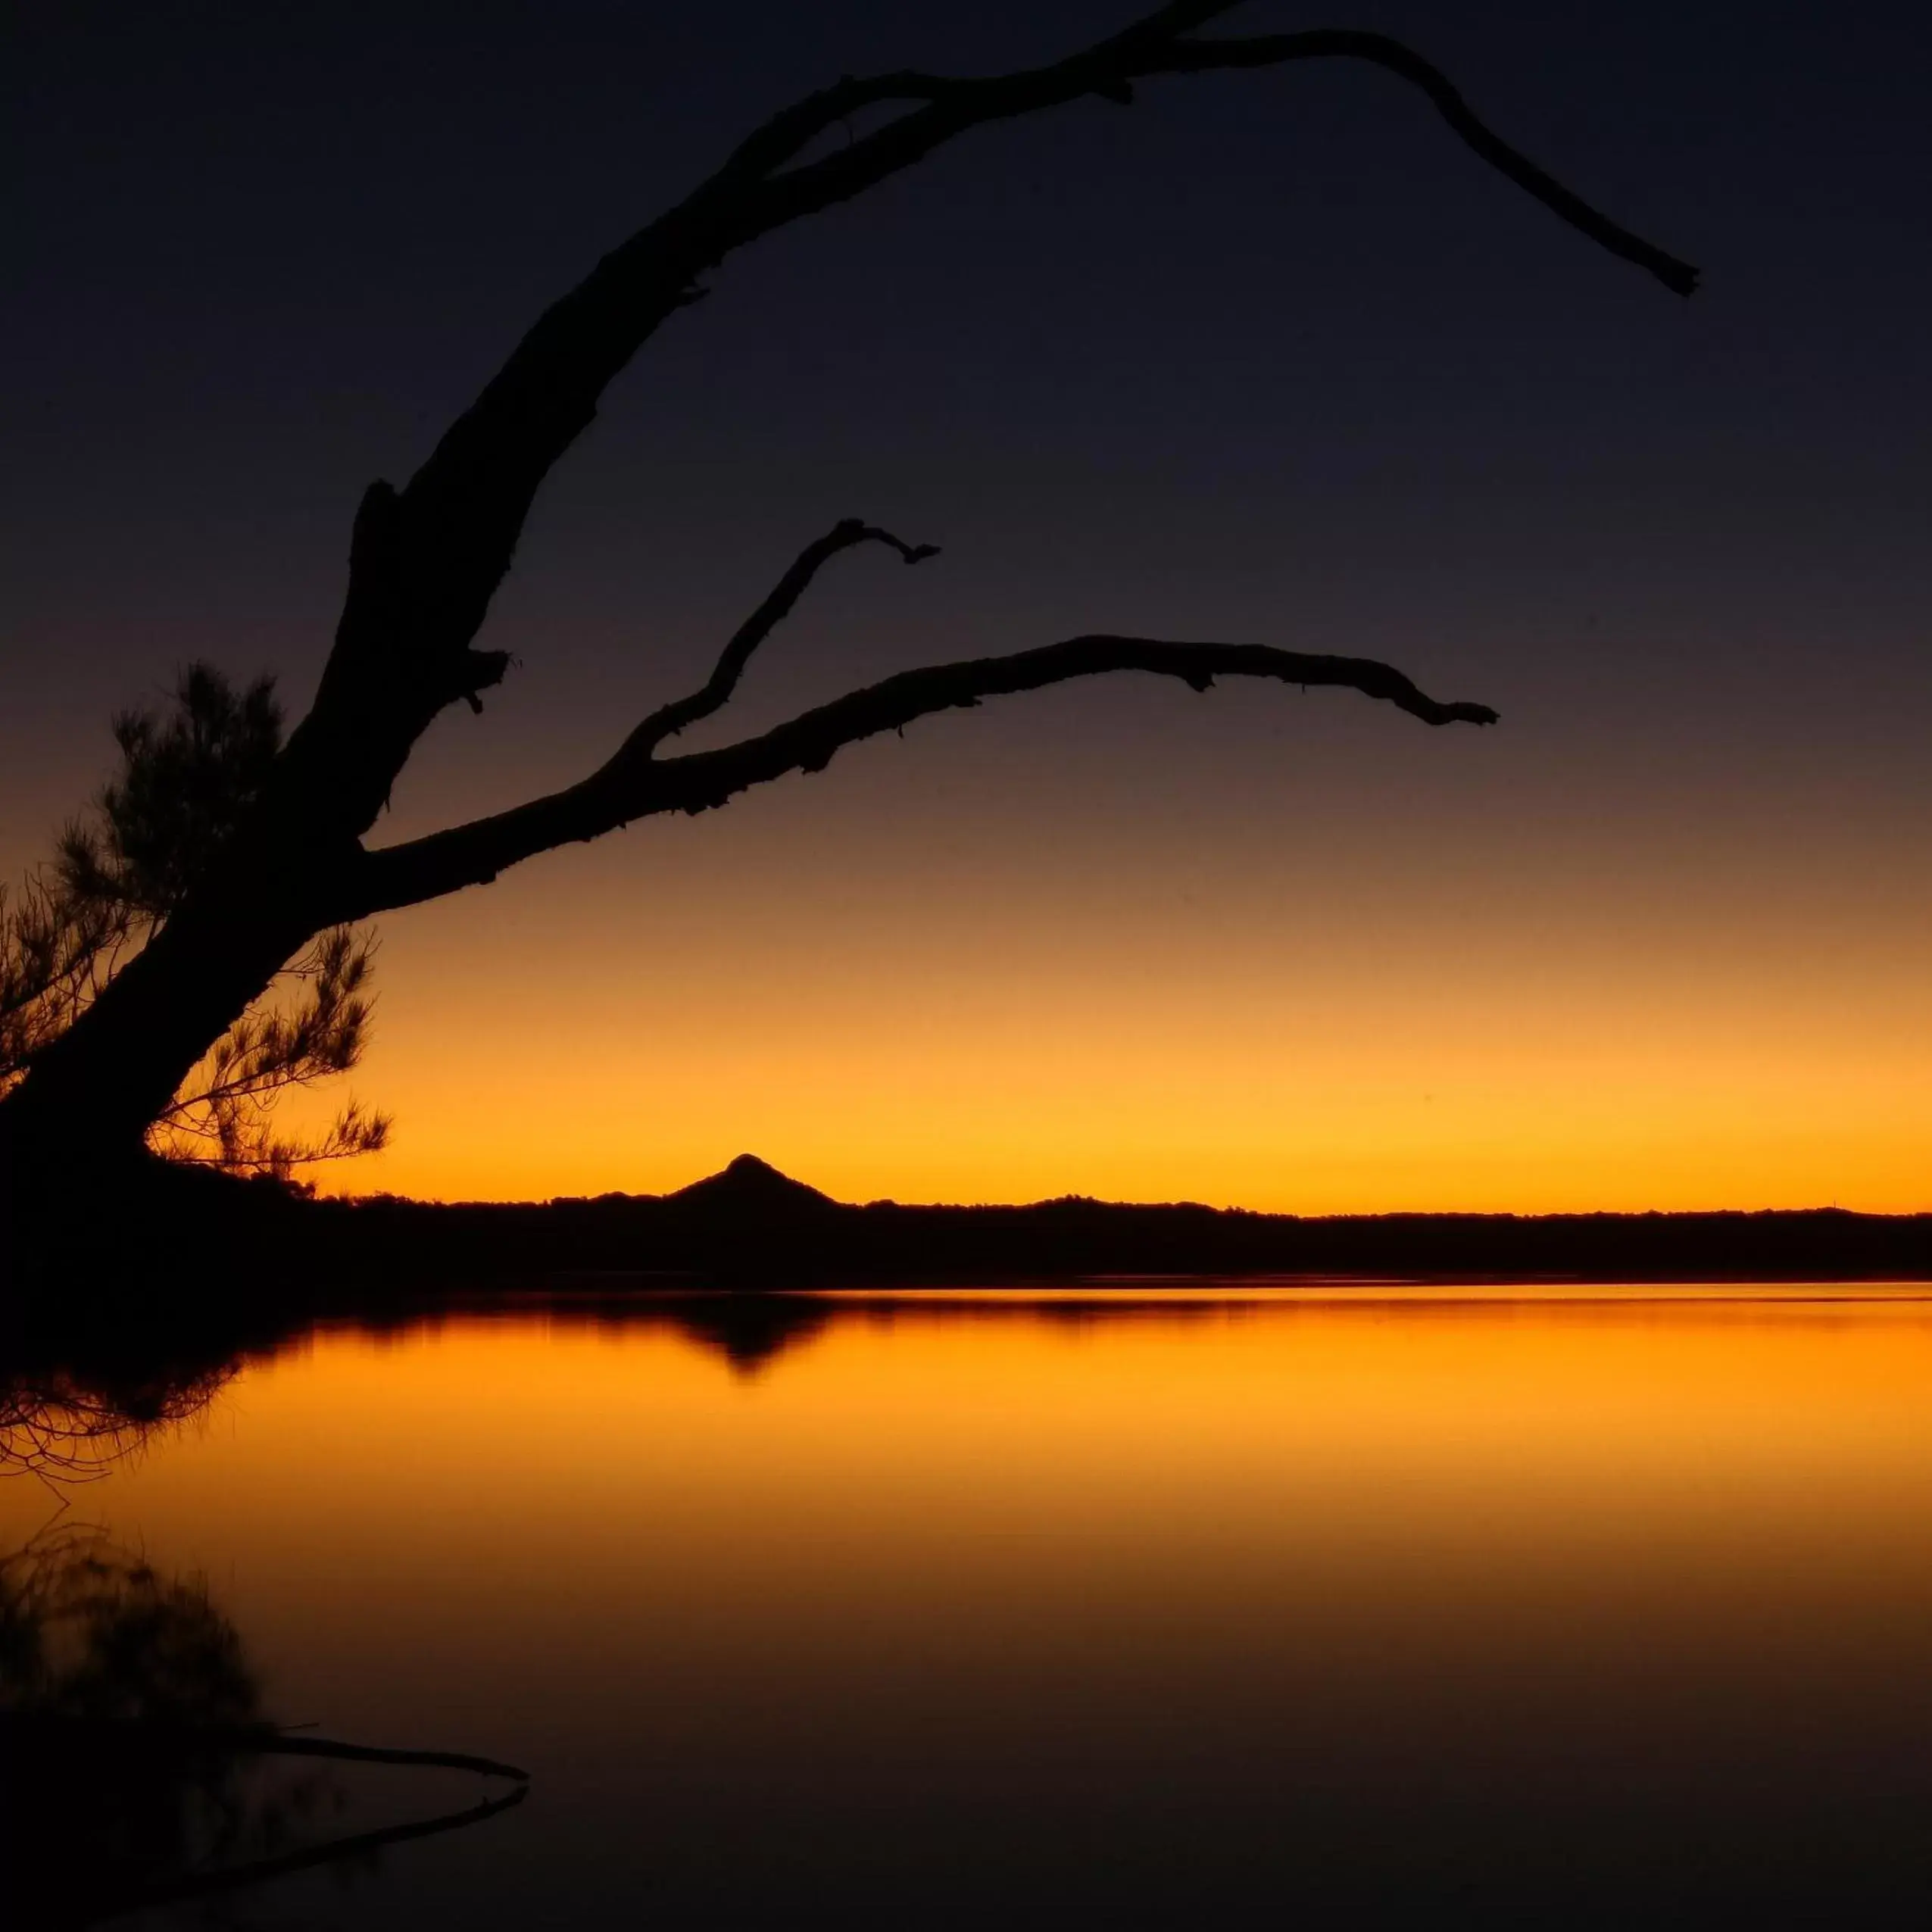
(754, 1184)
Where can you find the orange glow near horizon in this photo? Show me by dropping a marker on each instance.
(1284, 1039)
(1268, 1124)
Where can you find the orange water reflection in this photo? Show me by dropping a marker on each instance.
(1604, 1600)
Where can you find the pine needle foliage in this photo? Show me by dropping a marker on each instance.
(186, 772)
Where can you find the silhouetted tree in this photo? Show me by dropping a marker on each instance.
(97, 1646)
(425, 562)
(133, 1739)
(187, 777)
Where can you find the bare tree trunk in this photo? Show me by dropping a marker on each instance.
(95, 1092)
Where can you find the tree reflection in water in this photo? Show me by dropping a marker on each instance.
(65, 1429)
(138, 1766)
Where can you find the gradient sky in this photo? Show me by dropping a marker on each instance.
(1270, 357)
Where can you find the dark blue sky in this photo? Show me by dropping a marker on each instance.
(267, 251)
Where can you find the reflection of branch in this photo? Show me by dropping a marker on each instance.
(131, 1689)
(56, 1428)
(202, 1885)
(259, 1740)
(283, 1743)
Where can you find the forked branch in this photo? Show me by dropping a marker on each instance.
(671, 719)
(629, 786)
(428, 560)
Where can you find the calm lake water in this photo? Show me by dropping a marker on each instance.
(1605, 1606)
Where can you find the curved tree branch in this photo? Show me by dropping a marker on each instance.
(948, 107)
(358, 1845)
(792, 130)
(634, 785)
(671, 719)
(426, 561)
(1380, 50)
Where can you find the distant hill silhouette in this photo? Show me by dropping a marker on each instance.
(181, 1239)
(752, 1226)
(748, 1185)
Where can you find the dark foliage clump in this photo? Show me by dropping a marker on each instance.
(187, 775)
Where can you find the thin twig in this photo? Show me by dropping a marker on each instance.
(672, 718)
